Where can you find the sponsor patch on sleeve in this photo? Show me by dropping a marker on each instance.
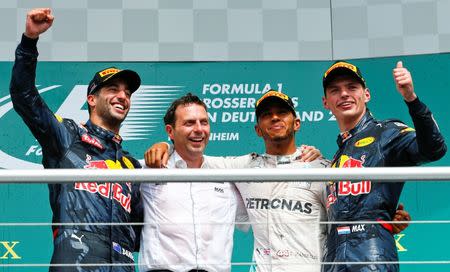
(399, 124)
(59, 118)
(408, 129)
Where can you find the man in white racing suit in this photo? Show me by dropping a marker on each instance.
(284, 215)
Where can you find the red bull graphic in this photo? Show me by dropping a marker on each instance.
(107, 164)
(347, 187)
(357, 188)
(108, 190)
(349, 162)
(353, 188)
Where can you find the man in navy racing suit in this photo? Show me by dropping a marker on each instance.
(367, 142)
(96, 144)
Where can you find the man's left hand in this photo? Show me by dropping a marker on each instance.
(400, 215)
(309, 153)
(403, 82)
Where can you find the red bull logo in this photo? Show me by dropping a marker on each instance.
(349, 162)
(357, 188)
(347, 187)
(107, 190)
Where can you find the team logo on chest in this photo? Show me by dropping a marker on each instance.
(347, 187)
(110, 190)
(354, 188)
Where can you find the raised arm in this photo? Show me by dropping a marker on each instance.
(25, 97)
(429, 144)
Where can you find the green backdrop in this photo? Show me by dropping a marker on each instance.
(230, 89)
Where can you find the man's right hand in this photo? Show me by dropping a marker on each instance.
(157, 155)
(38, 21)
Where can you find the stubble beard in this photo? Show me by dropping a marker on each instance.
(109, 117)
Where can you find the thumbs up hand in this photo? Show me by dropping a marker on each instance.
(403, 82)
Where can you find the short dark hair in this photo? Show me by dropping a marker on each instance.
(189, 98)
(89, 107)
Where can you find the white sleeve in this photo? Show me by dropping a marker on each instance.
(142, 162)
(323, 228)
(228, 162)
(321, 187)
(322, 195)
(241, 212)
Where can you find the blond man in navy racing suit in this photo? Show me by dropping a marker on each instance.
(367, 142)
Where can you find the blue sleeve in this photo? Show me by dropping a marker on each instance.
(423, 144)
(51, 134)
(137, 214)
(430, 142)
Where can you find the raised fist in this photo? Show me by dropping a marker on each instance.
(38, 21)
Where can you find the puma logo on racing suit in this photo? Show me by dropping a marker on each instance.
(76, 237)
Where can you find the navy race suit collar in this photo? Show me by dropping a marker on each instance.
(362, 124)
(103, 133)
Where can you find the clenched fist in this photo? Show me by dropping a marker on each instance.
(38, 21)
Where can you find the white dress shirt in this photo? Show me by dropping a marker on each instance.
(191, 224)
